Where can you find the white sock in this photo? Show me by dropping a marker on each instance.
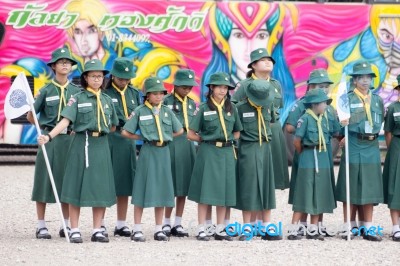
(259, 221)
(178, 220)
(97, 230)
(320, 224)
(157, 228)
(200, 228)
(167, 221)
(222, 232)
(102, 222)
(396, 228)
(353, 224)
(41, 224)
(271, 229)
(209, 221)
(313, 227)
(66, 221)
(253, 223)
(399, 221)
(226, 221)
(304, 223)
(74, 230)
(137, 227)
(120, 224)
(367, 225)
(361, 223)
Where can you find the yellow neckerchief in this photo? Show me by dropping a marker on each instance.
(99, 107)
(184, 107)
(63, 101)
(253, 76)
(156, 114)
(366, 99)
(221, 115)
(122, 92)
(260, 121)
(321, 138)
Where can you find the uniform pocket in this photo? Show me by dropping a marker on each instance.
(86, 114)
(250, 123)
(396, 120)
(167, 125)
(52, 107)
(211, 122)
(357, 115)
(313, 135)
(376, 114)
(147, 126)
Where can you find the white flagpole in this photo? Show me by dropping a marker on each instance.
(53, 185)
(346, 133)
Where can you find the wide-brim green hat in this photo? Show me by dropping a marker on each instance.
(123, 68)
(185, 77)
(258, 54)
(319, 76)
(94, 65)
(260, 92)
(398, 83)
(362, 68)
(317, 96)
(154, 84)
(220, 78)
(61, 53)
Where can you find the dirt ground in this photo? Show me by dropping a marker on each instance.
(18, 245)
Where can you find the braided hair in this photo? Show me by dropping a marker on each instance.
(227, 104)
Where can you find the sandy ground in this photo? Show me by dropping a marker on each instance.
(18, 244)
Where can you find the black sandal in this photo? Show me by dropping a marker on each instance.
(123, 231)
(202, 236)
(138, 238)
(75, 239)
(99, 237)
(178, 233)
(161, 236)
(39, 235)
(167, 229)
(396, 238)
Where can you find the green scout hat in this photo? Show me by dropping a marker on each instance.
(220, 78)
(123, 68)
(154, 84)
(398, 83)
(61, 53)
(316, 96)
(319, 76)
(362, 68)
(185, 77)
(94, 65)
(258, 54)
(259, 92)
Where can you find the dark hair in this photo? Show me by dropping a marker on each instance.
(84, 83)
(249, 73)
(174, 105)
(109, 82)
(227, 104)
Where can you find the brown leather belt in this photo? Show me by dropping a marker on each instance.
(157, 143)
(94, 134)
(369, 137)
(51, 128)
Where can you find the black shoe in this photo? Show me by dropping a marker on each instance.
(374, 238)
(231, 230)
(104, 231)
(325, 233)
(396, 238)
(178, 233)
(202, 236)
(161, 236)
(223, 237)
(99, 237)
(315, 237)
(77, 239)
(123, 231)
(210, 229)
(294, 237)
(167, 229)
(42, 233)
(62, 233)
(271, 237)
(245, 237)
(136, 238)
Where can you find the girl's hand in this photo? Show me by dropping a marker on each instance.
(43, 139)
(344, 123)
(342, 142)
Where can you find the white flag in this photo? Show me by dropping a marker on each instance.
(19, 98)
(342, 100)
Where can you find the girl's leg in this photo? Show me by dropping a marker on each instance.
(41, 230)
(369, 235)
(121, 228)
(159, 234)
(203, 213)
(177, 230)
(220, 233)
(395, 214)
(74, 212)
(137, 234)
(312, 230)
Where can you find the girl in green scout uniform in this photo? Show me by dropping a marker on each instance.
(123, 151)
(88, 178)
(391, 175)
(318, 79)
(49, 102)
(366, 117)
(261, 65)
(153, 185)
(313, 193)
(215, 125)
(256, 184)
(182, 150)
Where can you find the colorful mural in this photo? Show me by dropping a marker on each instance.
(163, 36)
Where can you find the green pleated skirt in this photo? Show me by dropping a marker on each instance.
(365, 173)
(213, 180)
(183, 155)
(280, 160)
(256, 183)
(57, 154)
(123, 157)
(91, 186)
(153, 186)
(313, 192)
(293, 176)
(391, 175)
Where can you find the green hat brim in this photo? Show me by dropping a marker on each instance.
(320, 81)
(327, 100)
(90, 70)
(123, 75)
(185, 83)
(61, 57)
(359, 73)
(255, 60)
(157, 90)
(230, 86)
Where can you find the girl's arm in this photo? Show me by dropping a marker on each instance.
(180, 132)
(193, 136)
(63, 124)
(388, 138)
(297, 144)
(129, 135)
(236, 135)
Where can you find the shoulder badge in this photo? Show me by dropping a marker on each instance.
(299, 123)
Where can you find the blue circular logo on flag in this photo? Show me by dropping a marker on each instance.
(18, 99)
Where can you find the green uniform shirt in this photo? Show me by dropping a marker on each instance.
(392, 119)
(307, 130)
(240, 95)
(206, 122)
(142, 118)
(358, 116)
(176, 106)
(47, 102)
(81, 110)
(296, 112)
(249, 117)
(132, 98)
